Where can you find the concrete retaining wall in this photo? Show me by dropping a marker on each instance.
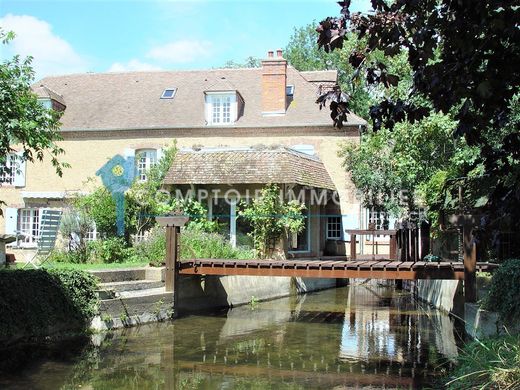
(445, 295)
(202, 293)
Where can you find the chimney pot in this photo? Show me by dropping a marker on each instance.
(270, 54)
(279, 53)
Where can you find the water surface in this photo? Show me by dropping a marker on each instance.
(362, 336)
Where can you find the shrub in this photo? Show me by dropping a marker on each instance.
(38, 303)
(194, 244)
(488, 364)
(111, 250)
(504, 293)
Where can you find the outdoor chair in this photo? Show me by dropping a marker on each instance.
(49, 225)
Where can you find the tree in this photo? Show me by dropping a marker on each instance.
(302, 53)
(26, 126)
(464, 59)
(397, 171)
(249, 62)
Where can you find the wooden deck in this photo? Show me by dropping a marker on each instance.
(331, 268)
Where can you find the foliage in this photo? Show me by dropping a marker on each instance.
(197, 212)
(111, 250)
(38, 303)
(101, 207)
(144, 198)
(488, 364)
(504, 292)
(249, 62)
(74, 227)
(397, 171)
(26, 125)
(195, 243)
(271, 217)
(302, 53)
(463, 58)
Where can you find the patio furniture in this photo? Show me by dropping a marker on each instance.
(49, 224)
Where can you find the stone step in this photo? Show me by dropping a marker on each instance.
(136, 303)
(128, 274)
(131, 285)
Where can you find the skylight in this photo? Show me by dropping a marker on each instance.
(168, 93)
(289, 90)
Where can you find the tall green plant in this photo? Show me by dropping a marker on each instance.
(272, 218)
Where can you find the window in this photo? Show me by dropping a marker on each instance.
(221, 109)
(145, 159)
(169, 93)
(377, 219)
(333, 228)
(289, 90)
(91, 234)
(28, 226)
(8, 170)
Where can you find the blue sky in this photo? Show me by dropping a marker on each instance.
(98, 36)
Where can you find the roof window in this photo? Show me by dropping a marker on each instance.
(169, 93)
(289, 90)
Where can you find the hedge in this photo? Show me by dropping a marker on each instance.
(38, 303)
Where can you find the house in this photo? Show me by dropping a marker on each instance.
(234, 128)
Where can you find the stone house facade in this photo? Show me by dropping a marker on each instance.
(137, 114)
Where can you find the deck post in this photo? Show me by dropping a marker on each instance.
(172, 224)
(470, 263)
(393, 247)
(352, 247)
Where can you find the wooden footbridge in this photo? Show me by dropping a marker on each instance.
(326, 267)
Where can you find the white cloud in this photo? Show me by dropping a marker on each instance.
(34, 37)
(132, 65)
(182, 51)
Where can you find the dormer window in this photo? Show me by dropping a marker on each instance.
(169, 93)
(221, 108)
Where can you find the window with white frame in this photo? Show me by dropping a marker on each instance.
(8, 170)
(377, 219)
(28, 226)
(145, 160)
(91, 234)
(333, 228)
(221, 108)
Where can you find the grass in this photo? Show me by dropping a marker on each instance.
(95, 266)
(492, 363)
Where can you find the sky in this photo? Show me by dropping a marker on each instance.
(69, 36)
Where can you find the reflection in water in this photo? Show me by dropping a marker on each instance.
(360, 336)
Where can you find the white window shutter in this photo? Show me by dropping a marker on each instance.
(208, 109)
(129, 152)
(20, 170)
(159, 154)
(11, 220)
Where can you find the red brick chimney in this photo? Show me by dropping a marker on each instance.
(274, 81)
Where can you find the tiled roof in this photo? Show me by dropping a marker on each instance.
(45, 92)
(248, 166)
(131, 100)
